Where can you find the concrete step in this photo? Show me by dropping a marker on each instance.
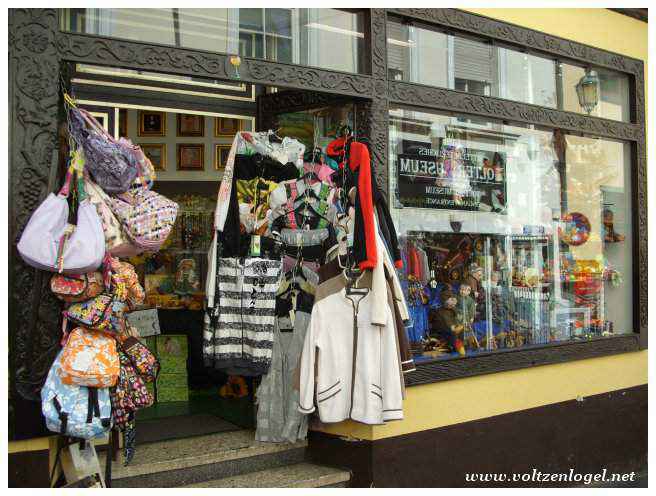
(299, 475)
(202, 458)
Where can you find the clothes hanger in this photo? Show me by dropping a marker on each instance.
(353, 277)
(273, 136)
(306, 206)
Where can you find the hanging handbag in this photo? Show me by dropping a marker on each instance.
(104, 313)
(77, 287)
(89, 359)
(129, 395)
(123, 274)
(113, 164)
(143, 360)
(147, 217)
(117, 242)
(50, 243)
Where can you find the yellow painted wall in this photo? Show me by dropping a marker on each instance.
(463, 400)
(451, 402)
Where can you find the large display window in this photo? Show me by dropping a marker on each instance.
(512, 236)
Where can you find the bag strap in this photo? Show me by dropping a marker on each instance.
(65, 332)
(63, 416)
(93, 407)
(66, 188)
(79, 186)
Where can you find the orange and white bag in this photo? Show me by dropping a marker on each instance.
(89, 359)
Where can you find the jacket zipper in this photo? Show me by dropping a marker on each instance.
(356, 308)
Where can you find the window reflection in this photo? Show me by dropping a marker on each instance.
(512, 236)
(426, 55)
(613, 100)
(327, 38)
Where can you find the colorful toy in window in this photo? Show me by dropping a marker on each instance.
(576, 229)
(453, 265)
(610, 236)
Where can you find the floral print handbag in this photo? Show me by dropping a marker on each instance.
(104, 313)
(130, 393)
(77, 287)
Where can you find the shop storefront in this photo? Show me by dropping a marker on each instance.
(512, 156)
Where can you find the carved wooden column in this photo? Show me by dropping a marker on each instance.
(372, 117)
(33, 114)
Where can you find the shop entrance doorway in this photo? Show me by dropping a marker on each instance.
(189, 146)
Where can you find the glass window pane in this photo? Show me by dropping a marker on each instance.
(331, 38)
(279, 49)
(251, 19)
(427, 56)
(595, 237)
(279, 21)
(326, 38)
(251, 45)
(526, 78)
(612, 101)
(488, 211)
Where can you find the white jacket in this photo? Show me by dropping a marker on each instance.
(363, 385)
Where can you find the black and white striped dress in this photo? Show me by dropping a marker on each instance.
(239, 339)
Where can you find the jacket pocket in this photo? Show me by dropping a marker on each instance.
(377, 391)
(330, 391)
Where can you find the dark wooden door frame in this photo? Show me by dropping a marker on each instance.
(38, 49)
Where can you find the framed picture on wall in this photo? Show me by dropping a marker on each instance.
(191, 156)
(226, 126)
(152, 123)
(103, 119)
(221, 153)
(156, 153)
(191, 125)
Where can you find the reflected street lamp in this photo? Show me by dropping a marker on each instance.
(587, 90)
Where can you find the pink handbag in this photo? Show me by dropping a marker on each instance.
(147, 217)
(50, 243)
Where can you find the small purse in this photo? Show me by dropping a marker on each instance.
(143, 360)
(124, 277)
(77, 287)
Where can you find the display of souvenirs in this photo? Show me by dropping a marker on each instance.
(186, 278)
(610, 236)
(575, 230)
